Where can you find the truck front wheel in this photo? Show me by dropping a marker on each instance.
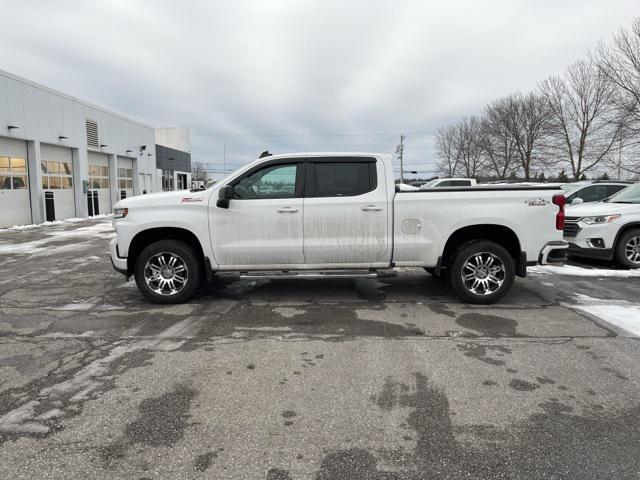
(481, 272)
(167, 271)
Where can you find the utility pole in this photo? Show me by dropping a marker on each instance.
(400, 152)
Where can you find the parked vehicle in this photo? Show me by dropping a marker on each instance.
(607, 230)
(450, 182)
(592, 191)
(355, 223)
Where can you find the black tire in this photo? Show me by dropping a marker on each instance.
(483, 249)
(166, 249)
(625, 242)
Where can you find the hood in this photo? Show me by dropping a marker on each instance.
(600, 208)
(165, 198)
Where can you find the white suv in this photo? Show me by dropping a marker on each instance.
(606, 230)
(592, 190)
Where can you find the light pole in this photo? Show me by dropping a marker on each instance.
(400, 152)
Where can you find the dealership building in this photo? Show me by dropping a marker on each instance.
(61, 157)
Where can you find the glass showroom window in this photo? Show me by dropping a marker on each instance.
(167, 180)
(125, 178)
(56, 175)
(13, 173)
(98, 176)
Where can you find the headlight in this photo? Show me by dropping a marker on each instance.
(120, 212)
(600, 219)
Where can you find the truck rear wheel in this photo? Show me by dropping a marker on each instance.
(481, 272)
(167, 271)
(628, 249)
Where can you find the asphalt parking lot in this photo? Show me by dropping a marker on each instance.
(330, 379)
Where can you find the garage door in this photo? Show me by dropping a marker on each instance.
(99, 191)
(15, 204)
(125, 177)
(57, 179)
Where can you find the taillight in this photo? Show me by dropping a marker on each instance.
(561, 202)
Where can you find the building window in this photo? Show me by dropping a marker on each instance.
(125, 178)
(98, 176)
(167, 180)
(13, 173)
(56, 175)
(182, 181)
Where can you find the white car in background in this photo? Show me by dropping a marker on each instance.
(450, 182)
(607, 230)
(592, 190)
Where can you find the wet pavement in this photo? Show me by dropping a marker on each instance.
(326, 379)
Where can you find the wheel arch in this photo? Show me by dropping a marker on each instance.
(146, 237)
(500, 234)
(623, 230)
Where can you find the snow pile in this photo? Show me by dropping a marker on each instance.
(575, 271)
(622, 314)
(22, 228)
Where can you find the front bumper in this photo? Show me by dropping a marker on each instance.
(119, 264)
(592, 240)
(586, 252)
(553, 253)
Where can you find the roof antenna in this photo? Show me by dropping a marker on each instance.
(265, 154)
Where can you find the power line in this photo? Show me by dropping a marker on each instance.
(316, 134)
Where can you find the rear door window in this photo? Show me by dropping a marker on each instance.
(342, 179)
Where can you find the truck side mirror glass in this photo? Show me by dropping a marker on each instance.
(224, 195)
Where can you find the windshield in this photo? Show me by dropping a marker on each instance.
(571, 187)
(431, 183)
(628, 195)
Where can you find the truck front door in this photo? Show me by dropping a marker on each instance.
(262, 227)
(346, 213)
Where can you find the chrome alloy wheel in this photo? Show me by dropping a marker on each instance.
(483, 273)
(166, 273)
(632, 249)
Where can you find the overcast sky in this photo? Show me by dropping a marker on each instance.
(300, 75)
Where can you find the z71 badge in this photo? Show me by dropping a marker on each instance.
(536, 202)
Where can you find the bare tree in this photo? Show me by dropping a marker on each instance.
(585, 128)
(620, 62)
(199, 172)
(529, 124)
(498, 144)
(468, 144)
(446, 151)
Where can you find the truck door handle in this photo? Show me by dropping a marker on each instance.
(371, 208)
(287, 210)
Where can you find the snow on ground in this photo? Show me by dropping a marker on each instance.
(21, 228)
(573, 270)
(43, 246)
(622, 314)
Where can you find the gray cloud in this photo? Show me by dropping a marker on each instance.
(287, 75)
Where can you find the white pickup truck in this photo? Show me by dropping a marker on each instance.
(335, 215)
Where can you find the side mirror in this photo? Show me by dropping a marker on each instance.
(224, 195)
(577, 201)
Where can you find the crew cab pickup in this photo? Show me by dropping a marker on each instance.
(335, 215)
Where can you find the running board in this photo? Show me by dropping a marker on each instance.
(306, 274)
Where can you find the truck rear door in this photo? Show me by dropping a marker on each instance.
(346, 212)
